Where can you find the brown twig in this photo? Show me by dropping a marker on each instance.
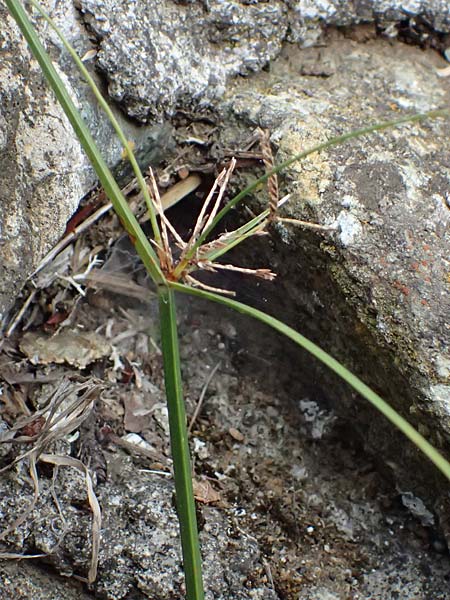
(164, 252)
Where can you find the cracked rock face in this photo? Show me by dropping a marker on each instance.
(160, 55)
(376, 293)
(44, 171)
(39, 157)
(389, 195)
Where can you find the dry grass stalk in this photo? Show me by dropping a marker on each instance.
(299, 222)
(306, 224)
(164, 251)
(54, 422)
(18, 317)
(71, 236)
(119, 284)
(230, 238)
(209, 288)
(203, 221)
(203, 257)
(69, 461)
(266, 274)
(202, 398)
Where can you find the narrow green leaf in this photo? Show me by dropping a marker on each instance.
(440, 462)
(177, 418)
(233, 239)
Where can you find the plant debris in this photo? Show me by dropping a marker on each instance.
(76, 348)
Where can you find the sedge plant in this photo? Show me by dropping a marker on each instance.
(171, 275)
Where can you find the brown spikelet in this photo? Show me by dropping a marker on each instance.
(272, 182)
(261, 273)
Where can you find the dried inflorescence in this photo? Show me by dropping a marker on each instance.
(199, 254)
(194, 255)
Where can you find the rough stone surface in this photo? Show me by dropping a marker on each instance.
(381, 281)
(140, 554)
(156, 57)
(434, 12)
(25, 581)
(300, 512)
(44, 172)
(160, 55)
(376, 293)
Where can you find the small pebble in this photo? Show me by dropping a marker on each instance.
(236, 435)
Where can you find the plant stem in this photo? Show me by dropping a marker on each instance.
(179, 442)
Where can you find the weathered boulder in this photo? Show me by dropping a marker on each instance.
(44, 172)
(376, 293)
(157, 56)
(383, 278)
(140, 553)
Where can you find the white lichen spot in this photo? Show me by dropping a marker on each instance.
(381, 324)
(348, 201)
(320, 9)
(378, 155)
(299, 472)
(317, 420)
(442, 364)
(201, 449)
(350, 227)
(413, 180)
(3, 132)
(440, 397)
(285, 234)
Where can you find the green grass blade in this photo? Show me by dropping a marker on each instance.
(247, 230)
(440, 462)
(105, 176)
(180, 448)
(230, 243)
(177, 418)
(107, 110)
(335, 141)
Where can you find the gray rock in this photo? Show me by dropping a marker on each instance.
(382, 278)
(140, 554)
(376, 293)
(434, 13)
(161, 55)
(23, 579)
(44, 172)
